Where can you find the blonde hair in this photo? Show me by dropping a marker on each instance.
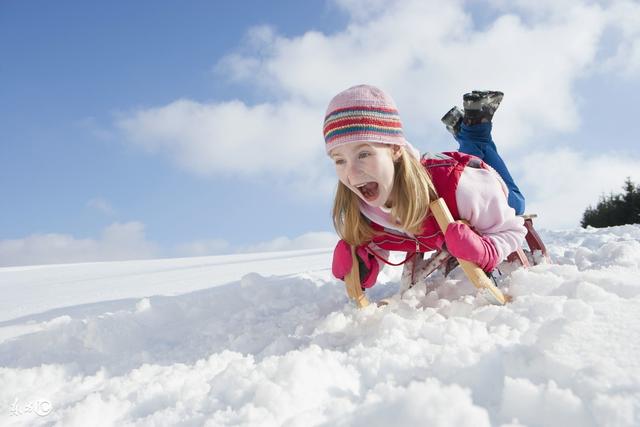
(411, 194)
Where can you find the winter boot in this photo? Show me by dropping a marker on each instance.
(452, 120)
(479, 106)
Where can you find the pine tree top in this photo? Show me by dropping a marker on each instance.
(615, 209)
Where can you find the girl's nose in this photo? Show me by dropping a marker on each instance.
(353, 173)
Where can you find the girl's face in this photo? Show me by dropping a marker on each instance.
(367, 169)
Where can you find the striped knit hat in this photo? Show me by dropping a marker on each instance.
(362, 114)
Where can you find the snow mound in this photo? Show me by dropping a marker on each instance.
(279, 344)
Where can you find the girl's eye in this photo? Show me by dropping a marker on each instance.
(363, 154)
(339, 162)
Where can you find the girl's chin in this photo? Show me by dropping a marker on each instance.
(375, 202)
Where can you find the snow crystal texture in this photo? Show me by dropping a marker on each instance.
(271, 340)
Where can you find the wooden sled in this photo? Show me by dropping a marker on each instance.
(417, 269)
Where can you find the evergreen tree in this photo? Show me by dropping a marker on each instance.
(615, 209)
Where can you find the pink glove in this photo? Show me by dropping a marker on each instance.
(342, 263)
(464, 243)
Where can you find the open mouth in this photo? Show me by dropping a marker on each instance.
(369, 190)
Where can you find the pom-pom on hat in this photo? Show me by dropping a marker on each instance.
(362, 113)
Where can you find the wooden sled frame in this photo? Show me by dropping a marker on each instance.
(481, 280)
(352, 282)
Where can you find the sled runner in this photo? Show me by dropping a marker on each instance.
(417, 269)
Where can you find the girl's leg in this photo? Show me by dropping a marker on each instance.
(472, 139)
(476, 140)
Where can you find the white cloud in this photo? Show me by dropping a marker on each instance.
(426, 54)
(119, 241)
(624, 18)
(562, 183)
(230, 137)
(203, 247)
(127, 241)
(539, 9)
(101, 205)
(310, 240)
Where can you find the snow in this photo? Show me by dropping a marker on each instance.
(270, 339)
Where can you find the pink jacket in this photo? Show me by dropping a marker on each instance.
(472, 190)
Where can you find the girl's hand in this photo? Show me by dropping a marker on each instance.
(342, 263)
(464, 243)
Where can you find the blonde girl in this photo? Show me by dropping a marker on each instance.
(385, 187)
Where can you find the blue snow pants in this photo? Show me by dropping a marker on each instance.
(476, 140)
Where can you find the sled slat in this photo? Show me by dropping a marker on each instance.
(352, 282)
(477, 276)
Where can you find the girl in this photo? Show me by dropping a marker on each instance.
(384, 188)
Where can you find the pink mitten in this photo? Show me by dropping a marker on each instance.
(342, 263)
(464, 243)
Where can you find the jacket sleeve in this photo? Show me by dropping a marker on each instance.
(482, 200)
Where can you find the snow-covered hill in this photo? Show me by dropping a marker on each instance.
(270, 339)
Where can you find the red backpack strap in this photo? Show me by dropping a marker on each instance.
(445, 170)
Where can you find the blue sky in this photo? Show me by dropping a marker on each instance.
(156, 128)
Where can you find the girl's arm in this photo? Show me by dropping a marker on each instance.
(482, 201)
